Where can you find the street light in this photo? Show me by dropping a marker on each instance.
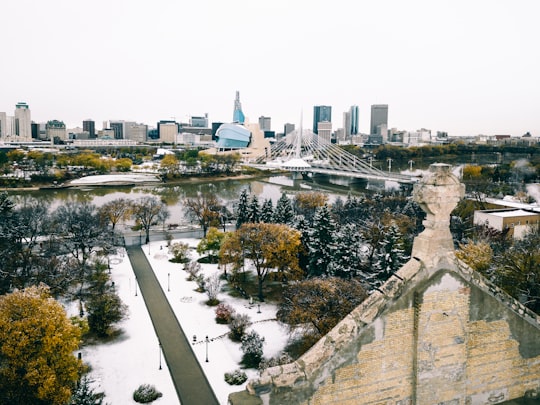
(390, 164)
(207, 348)
(168, 281)
(411, 162)
(258, 308)
(159, 355)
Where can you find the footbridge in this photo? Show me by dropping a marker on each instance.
(304, 152)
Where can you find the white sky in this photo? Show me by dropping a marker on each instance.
(462, 66)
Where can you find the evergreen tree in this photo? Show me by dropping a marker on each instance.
(242, 209)
(284, 213)
(267, 211)
(321, 242)
(254, 214)
(389, 257)
(350, 255)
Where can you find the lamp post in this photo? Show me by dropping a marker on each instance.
(258, 308)
(159, 355)
(135, 286)
(207, 349)
(168, 281)
(411, 162)
(390, 164)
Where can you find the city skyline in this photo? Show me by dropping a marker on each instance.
(461, 67)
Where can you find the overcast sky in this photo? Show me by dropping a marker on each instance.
(462, 66)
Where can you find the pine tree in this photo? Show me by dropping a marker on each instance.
(254, 214)
(242, 209)
(350, 255)
(389, 257)
(284, 214)
(267, 211)
(321, 242)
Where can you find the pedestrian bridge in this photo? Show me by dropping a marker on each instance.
(304, 152)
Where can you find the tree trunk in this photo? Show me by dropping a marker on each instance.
(260, 282)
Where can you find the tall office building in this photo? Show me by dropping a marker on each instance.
(118, 128)
(56, 130)
(199, 122)
(3, 125)
(354, 116)
(321, 113)
(136, 132)
(379, 117)
(238, 115)
(23, 122)
(90, 127)
(288, 128)
(265, 123)
(324, 132)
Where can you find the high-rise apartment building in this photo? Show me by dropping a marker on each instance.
(265, 123)
(23, 122)
(379, 117)
(321, 113)
(90, 127)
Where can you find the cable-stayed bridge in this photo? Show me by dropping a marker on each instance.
(305, 152)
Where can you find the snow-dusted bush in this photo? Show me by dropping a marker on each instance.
(180, 251)
(201, 283)
(237, 377)
(238, 326)
(193, 269)
(213, 287)
(252, 347)
(146, 394)
(281, 359)
(224, 313)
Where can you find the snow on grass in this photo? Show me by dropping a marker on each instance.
(119, 367)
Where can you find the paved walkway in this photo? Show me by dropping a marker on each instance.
(188, 378)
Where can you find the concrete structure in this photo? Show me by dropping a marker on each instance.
(436, 332)
(3, 125)
(118, 128)
(199, 122)
(136, 132)
(379, 116)
(321, 113)
(288, 128)
(517, 221)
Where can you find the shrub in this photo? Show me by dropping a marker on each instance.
(237, 326)
(237, 377)
(180, 251)
(213, 286)
(224, 313)
(103, 311)
(283, 358)
(201, 283)
(193, 269)
(146, 394)
(252, 347)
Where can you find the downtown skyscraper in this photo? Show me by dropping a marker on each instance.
(321, 113)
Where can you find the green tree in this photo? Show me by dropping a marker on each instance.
(242, 209)
(211, 243)
(284, 213)
(321, 242)
(37, 342)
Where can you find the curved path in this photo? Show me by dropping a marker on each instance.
(188, 378)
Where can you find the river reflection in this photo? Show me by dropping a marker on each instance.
(173, 194)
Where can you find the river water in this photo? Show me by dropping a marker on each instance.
(227, 191)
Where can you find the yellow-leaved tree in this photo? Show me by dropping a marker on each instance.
(37, 341)
(477, 255)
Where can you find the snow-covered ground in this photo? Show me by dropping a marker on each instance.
(105, 179)
(118, 368)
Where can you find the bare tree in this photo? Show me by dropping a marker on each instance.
(205, 208)
(148, 211)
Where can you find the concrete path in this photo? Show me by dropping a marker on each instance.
(188, 378)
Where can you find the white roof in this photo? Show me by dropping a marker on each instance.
(512, 213)
(296, 163)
